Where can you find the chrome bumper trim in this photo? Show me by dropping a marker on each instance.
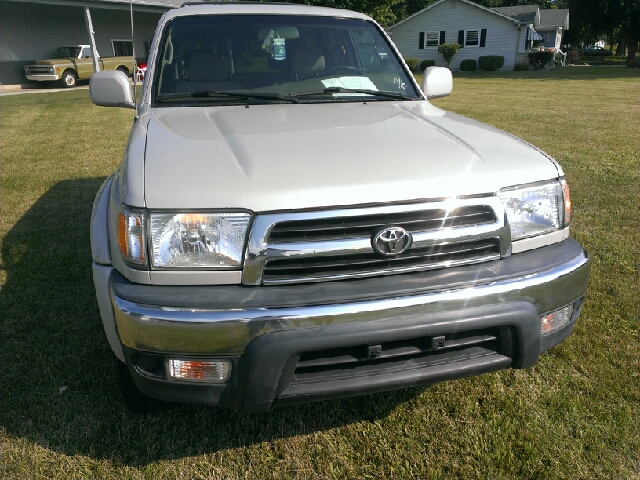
(229, 331)
(43, 78)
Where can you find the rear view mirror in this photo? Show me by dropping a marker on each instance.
(437, 82)
(111, 89)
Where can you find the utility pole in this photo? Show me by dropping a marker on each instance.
(94, 50)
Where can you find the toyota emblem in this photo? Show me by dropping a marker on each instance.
(391, 241)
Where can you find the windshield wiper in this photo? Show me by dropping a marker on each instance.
(228, 94)
(378, 93)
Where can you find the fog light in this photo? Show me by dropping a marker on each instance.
(206, 371)
(555, 320)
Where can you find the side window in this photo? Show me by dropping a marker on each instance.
(86, 52)
(122, 48)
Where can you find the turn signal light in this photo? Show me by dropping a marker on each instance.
(555, 320)
(207, 371)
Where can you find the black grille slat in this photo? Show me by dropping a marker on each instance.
(37, 70)
(339, 358)
(353, 260)
(318, 267)
(339, 227)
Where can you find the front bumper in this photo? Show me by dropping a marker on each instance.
(43, 78)
(268, 332)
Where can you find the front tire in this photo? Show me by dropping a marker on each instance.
(133, 398)
(69, 79)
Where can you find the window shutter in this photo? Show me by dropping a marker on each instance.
(483, 37)
(421, 46)
(461, 38)
(442, 37)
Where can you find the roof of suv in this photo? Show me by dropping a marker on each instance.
(260, 8)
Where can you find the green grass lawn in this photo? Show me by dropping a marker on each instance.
(576, 414)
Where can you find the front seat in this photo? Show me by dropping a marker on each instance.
(307, 61)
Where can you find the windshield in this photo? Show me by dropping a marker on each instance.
(222, 59)
(67, 52)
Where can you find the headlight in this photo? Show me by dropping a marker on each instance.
(198, 240)
(131, 237)
(536, 209)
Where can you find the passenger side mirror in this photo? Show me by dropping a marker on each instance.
(111, 89)
(437, 82)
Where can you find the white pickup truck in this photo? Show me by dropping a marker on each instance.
(294, 221)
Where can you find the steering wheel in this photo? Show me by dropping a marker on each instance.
(347, 69)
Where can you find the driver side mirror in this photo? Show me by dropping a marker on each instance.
(437, 82)
(111, 89)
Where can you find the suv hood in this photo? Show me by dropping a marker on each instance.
(283, 156)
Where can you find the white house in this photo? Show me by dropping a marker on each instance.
(509, 32)
(34, 29)
(553, 23)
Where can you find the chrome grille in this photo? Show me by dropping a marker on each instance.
(296, 247)
(37, 70)
(429, 258)
(363, 226)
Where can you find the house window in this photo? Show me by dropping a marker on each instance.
(431, 39)
(122, 48)
(472, 38)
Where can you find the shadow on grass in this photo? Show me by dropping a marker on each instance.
(58, 387)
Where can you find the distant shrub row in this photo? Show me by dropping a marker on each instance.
(488, 62)
(491, 63)
(468, 65)
(418, 66)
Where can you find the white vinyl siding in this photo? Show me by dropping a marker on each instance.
(451, 16)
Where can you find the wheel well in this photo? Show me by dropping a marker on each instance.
(70, 70)
(122, 68)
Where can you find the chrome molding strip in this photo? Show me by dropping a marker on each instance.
(382, 272)
(259, 250)
(198, 331)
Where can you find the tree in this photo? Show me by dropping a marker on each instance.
(448, 51)
(592, 19)
(382, 11)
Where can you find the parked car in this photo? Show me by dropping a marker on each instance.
(293, 220)
(70, 64)
(596, 51)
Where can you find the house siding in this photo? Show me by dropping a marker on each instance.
(453, 16)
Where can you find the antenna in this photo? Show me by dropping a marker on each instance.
(135, 64)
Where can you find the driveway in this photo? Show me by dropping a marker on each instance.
(38, 89)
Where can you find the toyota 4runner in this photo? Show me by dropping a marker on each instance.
(294, 221)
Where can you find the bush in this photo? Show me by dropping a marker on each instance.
(539, 59)
(573, 56)
(491, 63)
(468, 65)
(413, 64)
(521, 67)
(448, 51)
(424, 64)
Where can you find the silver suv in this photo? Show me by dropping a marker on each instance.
(294, 221)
